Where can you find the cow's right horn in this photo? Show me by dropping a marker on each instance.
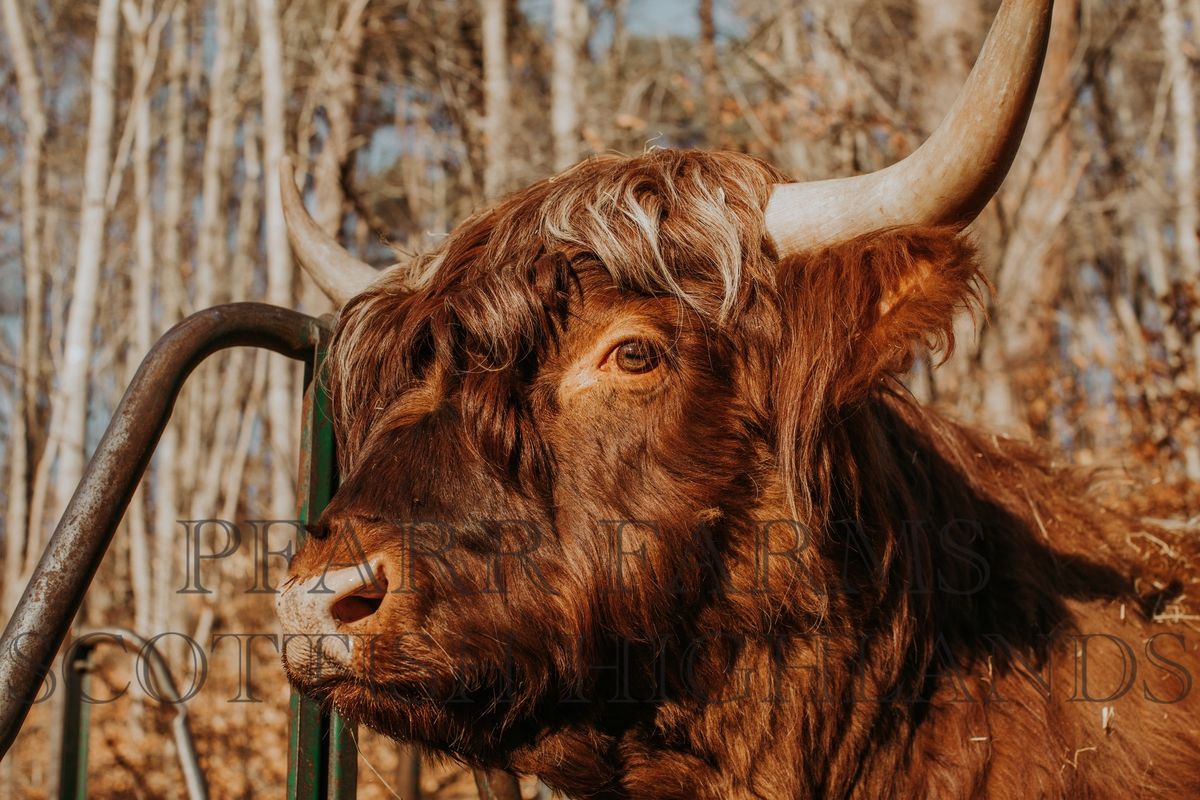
(338, 274)
(951, 177)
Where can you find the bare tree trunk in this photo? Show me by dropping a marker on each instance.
(166, 500)
(1183, 111)
(244, 442)
(496, 97)
(1148, 271)
(225, 421)
(791, 150)
(218, 151)
(202, 446)
(1030, 274)
(144, 57)
(708, 68)
(947, 34)
(68, 424)
(1187, 213)
(337, 92)
(279, 260)
(140, 568)
(564, 101)
(22, 418)
(238, 411)
(831, 24)
(188, 455)
(338, 96)
(789, 38)
(33, 115)
(72, 394)
(614, 79)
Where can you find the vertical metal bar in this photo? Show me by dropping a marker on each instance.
(343, 759)
(76, 723)
(342, 767)
(322, 757)
(306, 756)
(410, 772)
(496, 784)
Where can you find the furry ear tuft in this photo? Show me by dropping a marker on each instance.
(871, 304)
(925, 278)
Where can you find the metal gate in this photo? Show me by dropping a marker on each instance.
(322, 758)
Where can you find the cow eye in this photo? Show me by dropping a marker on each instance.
(636, 357)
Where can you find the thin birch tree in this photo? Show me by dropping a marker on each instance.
(33, 117)
(564, 100)
(69, 425)
(710, 80)
(138, 21)
(496, 97)
(279, 258)
(338, 91)
(1186, 220)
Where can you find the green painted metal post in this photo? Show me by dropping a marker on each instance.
(322, 753)
(343, 759)
(76, 723)
(322, 757)
(306, 750)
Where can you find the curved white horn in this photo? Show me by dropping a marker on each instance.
(338, 274)
(951, 177)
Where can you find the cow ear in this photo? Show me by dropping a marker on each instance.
(870, 305)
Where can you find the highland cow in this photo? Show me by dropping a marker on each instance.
(634, 500)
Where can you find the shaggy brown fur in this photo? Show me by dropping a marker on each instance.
(757, 568)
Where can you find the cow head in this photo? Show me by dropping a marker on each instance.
(560, 432)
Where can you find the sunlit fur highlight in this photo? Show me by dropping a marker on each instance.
(638, 219)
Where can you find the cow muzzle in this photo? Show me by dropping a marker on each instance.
(324, 616)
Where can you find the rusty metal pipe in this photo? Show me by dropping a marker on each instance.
(74, 552)
(167, 695)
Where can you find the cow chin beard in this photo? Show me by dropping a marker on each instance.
(471, 726)
(417, 705)
(393, 709)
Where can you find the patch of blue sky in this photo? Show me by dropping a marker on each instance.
(650, 18)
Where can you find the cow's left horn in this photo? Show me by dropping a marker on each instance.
(338, 274)
(951, 177)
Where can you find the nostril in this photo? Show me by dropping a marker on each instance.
(362, 603)
(354, 607)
